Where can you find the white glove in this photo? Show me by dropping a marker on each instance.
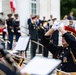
(57, 25)
(54, 27)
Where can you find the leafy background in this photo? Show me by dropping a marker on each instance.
(67, 6)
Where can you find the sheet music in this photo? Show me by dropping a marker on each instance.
(22, 43)
(40, 66)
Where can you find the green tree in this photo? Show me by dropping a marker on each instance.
(67, 6)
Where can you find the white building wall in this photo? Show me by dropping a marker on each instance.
(23, 9)
(6, 7)
(0, 5)
(50, 7)
(55, 8)
(43, 8)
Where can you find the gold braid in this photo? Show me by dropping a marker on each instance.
(74, 59)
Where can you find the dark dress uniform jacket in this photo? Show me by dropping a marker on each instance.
(71, 18)
(29, 21)
(33, 31)
(16, 27)
(10, 26)
(34, 37)
(59, 52)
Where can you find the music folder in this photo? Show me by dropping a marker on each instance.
(22, 43)
(41, 66)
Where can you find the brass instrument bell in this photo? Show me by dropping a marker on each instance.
(18, 59)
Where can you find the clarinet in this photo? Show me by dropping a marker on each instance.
(8, 59)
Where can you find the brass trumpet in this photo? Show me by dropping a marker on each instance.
(18, 59)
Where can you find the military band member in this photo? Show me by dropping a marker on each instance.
(41, 32)
(33, 35)
(29, 21)
(46, 26)
(10, 29)
(55, 36)
(16, 27)
(67, 52)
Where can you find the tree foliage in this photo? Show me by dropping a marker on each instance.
(67, 6)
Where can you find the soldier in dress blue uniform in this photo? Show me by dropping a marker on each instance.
(10, 29)
(29, 21)
(41, 32)
(33, 35)
(55, 36)
(67, 52)
(16, 27)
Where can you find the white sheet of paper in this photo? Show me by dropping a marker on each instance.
(40, 66)
(22, 43)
